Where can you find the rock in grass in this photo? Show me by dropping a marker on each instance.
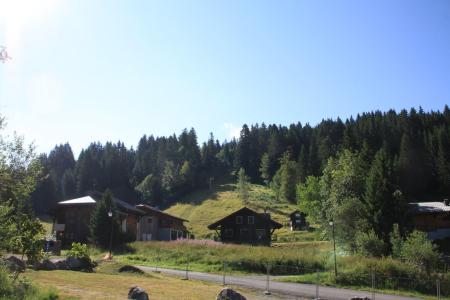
(359, 298)
(46, 265)
(131, 269)
(14, 264)
(137, 293)
(229, 294)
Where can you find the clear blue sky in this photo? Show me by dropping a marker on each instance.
(85, 71)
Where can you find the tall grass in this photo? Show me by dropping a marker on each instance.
(208, 255)
(21, 288)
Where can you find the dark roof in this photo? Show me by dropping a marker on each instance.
(121, 205)
(127, 207)
(246, 210)
(146, 207)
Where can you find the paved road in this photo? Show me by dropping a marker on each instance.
(282, 288)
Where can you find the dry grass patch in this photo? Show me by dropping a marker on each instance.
(79, 285)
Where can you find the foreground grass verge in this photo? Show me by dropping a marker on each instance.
(327, 279)
(79, 285)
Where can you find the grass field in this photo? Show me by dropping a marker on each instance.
(207, 206)
(209, 256)
(79, 285)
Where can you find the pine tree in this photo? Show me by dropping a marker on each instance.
(302, 165)
(243, 185)
(264, 168)
(101, 224)
(378, 195)
(288, 178)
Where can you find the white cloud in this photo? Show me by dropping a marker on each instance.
(44, 94)
(233, 131)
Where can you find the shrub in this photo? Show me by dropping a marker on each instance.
(419, 251)
(368, 244)
(81, 252)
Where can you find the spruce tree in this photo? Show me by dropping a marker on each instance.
(302, 165)
(243, 185)
(378, 195)
(264, 168)
(101, 224)
(288, 178)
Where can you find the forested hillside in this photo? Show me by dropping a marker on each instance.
(415, 145)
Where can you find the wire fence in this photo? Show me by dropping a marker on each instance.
(436, 286)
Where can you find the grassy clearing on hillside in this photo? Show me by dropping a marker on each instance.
(209, 255)
(79, 285)
(47, 222)
(205, 207)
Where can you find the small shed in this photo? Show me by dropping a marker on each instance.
(432, 218)
(298, 221)
(246, 226)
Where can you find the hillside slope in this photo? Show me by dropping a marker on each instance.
(207, 206)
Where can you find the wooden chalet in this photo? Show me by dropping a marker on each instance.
(141, 222)
(246, 226)
(161, 226)
(432, 218)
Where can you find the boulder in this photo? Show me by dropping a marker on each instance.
(62, 265)
(74, 263)
(14, 264)
(359, 298)
(229, 294)
(131, 269)
(137, 293)
(46, 265)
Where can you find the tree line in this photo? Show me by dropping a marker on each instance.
(415, 145)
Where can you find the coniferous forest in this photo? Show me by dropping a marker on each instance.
(409, 151)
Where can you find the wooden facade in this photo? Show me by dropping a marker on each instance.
(246, 226)
(141, 222)
(161, 226)
(432, 218)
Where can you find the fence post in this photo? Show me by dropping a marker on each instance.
(224, 270)
(187, 270)
(373, 284)
(438, 289)
(267, 291)
(317, 284)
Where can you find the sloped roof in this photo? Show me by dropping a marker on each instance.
(88, 200)
(247, 210)
(428, 207)
(146, 207)
(82, 200)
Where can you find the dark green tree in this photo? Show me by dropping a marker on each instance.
(102, 227)
(288, 178)
(264, 168)
(378, 195)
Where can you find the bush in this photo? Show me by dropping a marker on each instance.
(81, 252)
(368, 244)
(419, 251)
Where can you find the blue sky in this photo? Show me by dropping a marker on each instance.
(85, 71)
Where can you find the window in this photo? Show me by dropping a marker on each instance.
(251, 220)
(228, 233)
(149, 220)
(239, 220)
